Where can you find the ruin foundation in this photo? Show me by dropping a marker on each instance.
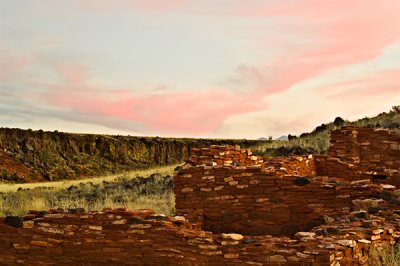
(235, 208)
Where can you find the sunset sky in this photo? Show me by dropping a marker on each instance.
(220, 68)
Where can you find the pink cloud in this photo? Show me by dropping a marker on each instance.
(384, 83)
(332, 34)
(340, 33)
(195, 113)
(11, 63)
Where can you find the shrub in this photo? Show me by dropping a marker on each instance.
(385, 255)
(285, 151)
(338, 121)
(320, 128)
(396, 109)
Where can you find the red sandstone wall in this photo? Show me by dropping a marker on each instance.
(379, 149)
(291, 165)
(373, 149)
(344, 145)
(120, 237)
(223, 155)
(235, 156)
(334, 167)
(362, 153)
(255, 201)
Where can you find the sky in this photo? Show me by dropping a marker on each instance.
(196, 68)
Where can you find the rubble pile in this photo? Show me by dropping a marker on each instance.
(350, 238)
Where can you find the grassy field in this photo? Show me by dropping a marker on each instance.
(152, 188)
(163, 170)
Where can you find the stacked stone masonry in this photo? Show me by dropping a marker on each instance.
(359, 152)
(254, 201)
(224, 155)
(291, 165)
(235, 208)
(263, 198)
(366, 147)
(121, 237)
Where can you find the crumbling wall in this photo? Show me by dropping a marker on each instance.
(334, 167)
(344, 145)
(362, 153)
(379, 149)
(229, 155)
(291, 165)
(223, 155)
(257, 201)
(369, 148)
(121, 237)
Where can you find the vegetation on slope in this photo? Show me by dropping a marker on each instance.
(317, 141)
(29, 156)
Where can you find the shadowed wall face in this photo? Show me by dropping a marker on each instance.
(284, 195)
(369, 148)
(362, 153)
(256, 201)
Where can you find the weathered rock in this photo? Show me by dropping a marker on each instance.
(302, 181)
(14, 221)
(232, 236)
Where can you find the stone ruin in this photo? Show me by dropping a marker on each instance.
(362, 153)
(235, 208)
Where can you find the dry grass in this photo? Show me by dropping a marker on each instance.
(384, 255)
(133, 190)
(163, 170)
(163, 203)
